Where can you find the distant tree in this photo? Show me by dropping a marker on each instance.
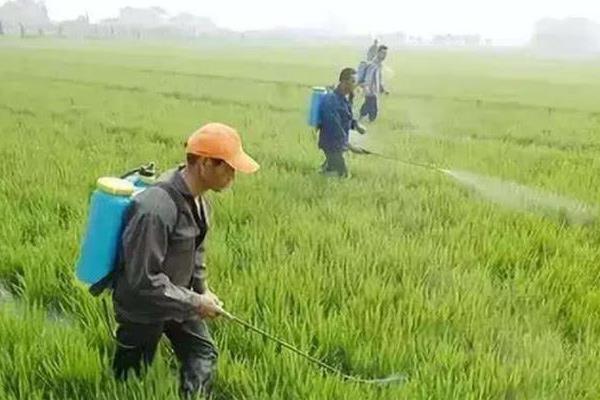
(24, 14)
(1, 29)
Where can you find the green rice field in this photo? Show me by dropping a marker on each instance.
(448, 278)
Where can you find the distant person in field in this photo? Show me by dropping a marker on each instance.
(372, 52)
(336, 122)
(160, 286)
(373, 85)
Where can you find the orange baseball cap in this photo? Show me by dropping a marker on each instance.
(216, 140)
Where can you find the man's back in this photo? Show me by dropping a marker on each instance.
(336, 117)
(161, 247)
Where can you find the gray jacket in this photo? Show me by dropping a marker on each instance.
(162, 257)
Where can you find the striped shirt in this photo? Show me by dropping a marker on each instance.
(373, 84)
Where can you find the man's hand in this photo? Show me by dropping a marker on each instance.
(215, 298)
(208, 306)
(360, 129)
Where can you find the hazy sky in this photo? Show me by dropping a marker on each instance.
(504, 20)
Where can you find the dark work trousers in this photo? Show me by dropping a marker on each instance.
(369, 108)
(334, 164)
(191, 341)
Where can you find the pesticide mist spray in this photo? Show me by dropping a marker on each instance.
(523, 198)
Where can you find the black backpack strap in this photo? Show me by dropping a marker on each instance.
(97, 288)
(181, 204)
(174, 194)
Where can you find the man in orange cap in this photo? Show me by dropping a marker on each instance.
(160, 286)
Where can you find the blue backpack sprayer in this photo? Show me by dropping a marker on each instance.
(109, 203)
(319, 93)
(316, 99)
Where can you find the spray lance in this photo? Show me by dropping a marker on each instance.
(360, 150)
(395, 378)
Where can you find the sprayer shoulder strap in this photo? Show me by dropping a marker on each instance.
(198, 213)
(178, 199)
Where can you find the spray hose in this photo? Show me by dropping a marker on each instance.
(144, 170)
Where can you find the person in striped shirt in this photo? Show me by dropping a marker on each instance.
(373, 85)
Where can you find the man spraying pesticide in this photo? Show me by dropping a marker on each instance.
(159, 281)
(331, 114)
(145, 240)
